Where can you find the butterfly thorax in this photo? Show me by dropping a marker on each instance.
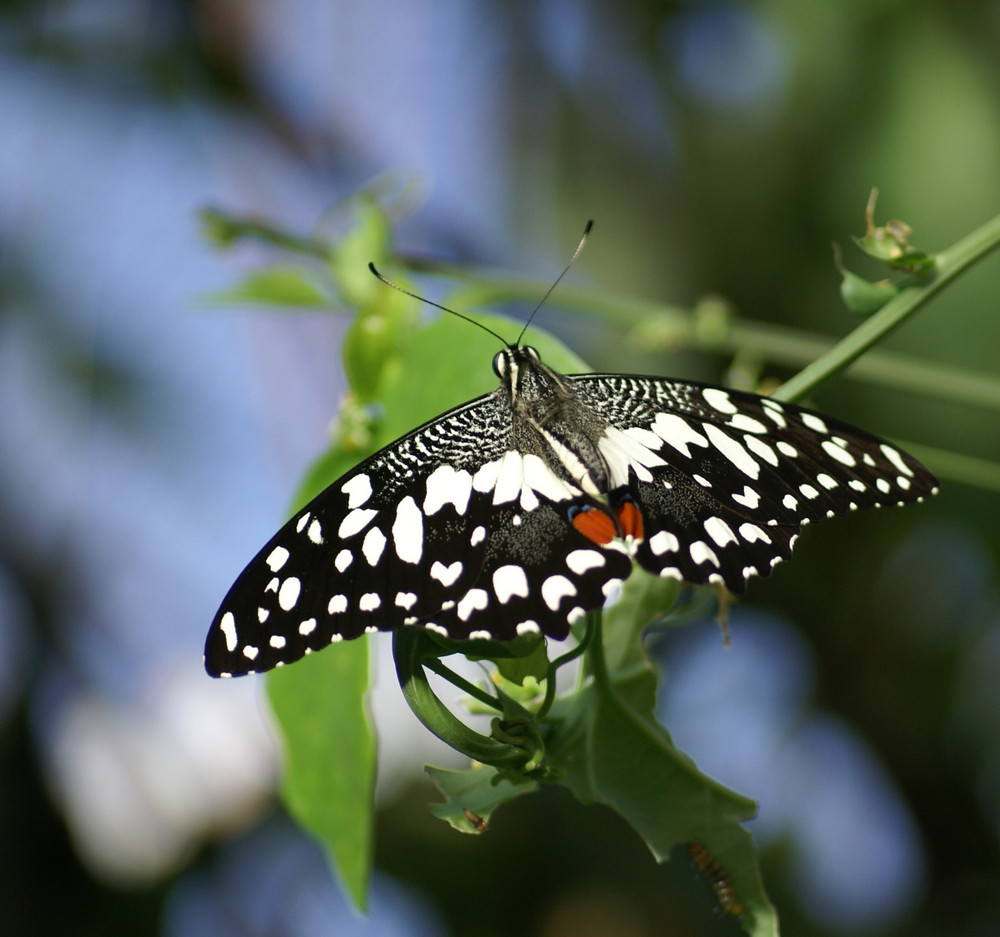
(548, 419)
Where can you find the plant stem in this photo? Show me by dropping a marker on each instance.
(948, 265)
(550, 674)
(435, 665)
(410, 650)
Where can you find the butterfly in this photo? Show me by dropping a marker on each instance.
(520, 511)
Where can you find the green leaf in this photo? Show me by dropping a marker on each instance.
(330, 755)
(645, 598)
(368, 242)
(320, 707)
(611, 750)
(472, 795)
(275, 286)
(518, 669)
(635, 769)
(449, 362)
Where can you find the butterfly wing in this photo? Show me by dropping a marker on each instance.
(447, 528)
(725, 480)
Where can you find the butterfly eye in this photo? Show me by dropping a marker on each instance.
(532, 353)
(500, 364)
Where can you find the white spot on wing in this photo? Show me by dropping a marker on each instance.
(749, 498)
(751, 532)
(447, 485)
(701, 552)
(288, 594)
(676, 432)
(405, 600)
(838, 453)
(775, 412)
(337, 605)
(315, 532)
(369, 602)
(250, 652)
(277, 641)
(622, 450)
(579, 561)
(358, 490)
(446, 575)
(307, 627)
(760, 448)
(277, 558)
(895, 458)
(373, 545)
(486, 477)
(475, 600)
(343, 560)
(509, 581)
(227, 625)
(664, 542)
(355, 522)
(408, 531)
(718, 399)
(644, 437)
(539, 477)
(719, 531)
(612, 591)
(746, 423)
(509, 478)
(478, 536)
(814, 422)
(733, 451)
(555, 589)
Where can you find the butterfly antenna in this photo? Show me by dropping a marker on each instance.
(555, 283)
(430, 302)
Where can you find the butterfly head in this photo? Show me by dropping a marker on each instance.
(507, 362)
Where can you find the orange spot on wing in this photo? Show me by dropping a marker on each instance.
(595, 525)
(630, 520)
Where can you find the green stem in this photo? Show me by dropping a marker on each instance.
(948, 265)
(598, 662)
(412, 650)
(550, 674)
(435, 665)
(820, 356)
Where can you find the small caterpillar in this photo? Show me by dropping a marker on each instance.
(477, 821)
(718, 878)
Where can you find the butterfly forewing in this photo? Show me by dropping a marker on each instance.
(523, 509)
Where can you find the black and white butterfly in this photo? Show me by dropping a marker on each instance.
(519, 511)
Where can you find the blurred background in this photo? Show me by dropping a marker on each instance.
(149, 444)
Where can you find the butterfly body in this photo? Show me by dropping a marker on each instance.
(525, 508)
